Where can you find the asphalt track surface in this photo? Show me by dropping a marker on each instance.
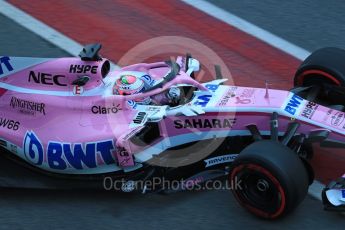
(18, 41)
(310, 24)
(33, 209)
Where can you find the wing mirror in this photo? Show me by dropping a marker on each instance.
(81, 81)
(193, 66)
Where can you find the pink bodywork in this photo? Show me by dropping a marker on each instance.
(84, 123)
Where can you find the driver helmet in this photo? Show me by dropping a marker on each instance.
(129, 84)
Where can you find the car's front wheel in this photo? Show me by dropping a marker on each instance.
(324, 66)
(272, 180)
(321, 76)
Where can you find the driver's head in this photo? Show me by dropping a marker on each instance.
(128, 85)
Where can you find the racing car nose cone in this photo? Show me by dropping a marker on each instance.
(262, 185)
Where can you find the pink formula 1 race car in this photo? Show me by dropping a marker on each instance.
(77, 123)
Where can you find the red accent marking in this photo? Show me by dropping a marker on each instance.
(2, 91)
(272, 178)
(308, 73)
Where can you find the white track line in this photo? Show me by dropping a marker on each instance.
(44, 31)
(72, 47)
(316, 188)
(248, 28)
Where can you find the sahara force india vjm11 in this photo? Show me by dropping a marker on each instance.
(71, 122)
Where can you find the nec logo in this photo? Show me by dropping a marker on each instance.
(5, 61)
(46, 78)
(293, 104)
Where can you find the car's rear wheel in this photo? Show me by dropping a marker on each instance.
(272, 180)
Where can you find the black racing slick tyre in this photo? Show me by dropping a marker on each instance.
(271, 179)
(325, 65)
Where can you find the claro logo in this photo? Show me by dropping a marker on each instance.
(47, 79)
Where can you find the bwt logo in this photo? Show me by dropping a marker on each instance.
(62, 156)
(5, 61)
(293, 104)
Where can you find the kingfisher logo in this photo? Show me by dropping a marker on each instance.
(5, 63)
(63, 156)
(293, 104)
(27, 107)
